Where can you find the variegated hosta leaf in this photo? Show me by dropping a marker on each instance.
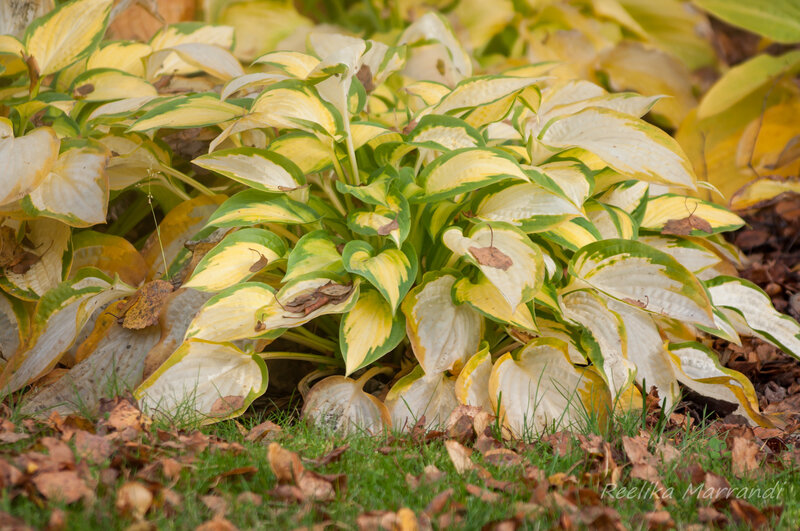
(189, 32)
(442, 335)
(751, 312)
(295, 105)
(58, 319)
(76, 189)
(629, 145)
(677, 214)
(308, 152)
(478, 91)
(195, 110)
(341, 405)
(472, 384)
(314, 252)
(467, 169)
(648, 352)
(303, 299)
(215, 381)
(487, 299)
(574, 233)
(611, 222)
(231, 314)
(248, 82)
(369, 331)
(52, 246)
(508, 258)
(610, 352)
(418, 395)
(699, 369)
(121, 55)
(208, 58)
(113, 255)
(537, 389)
(65, 34)
(26, 160)
(391, 271)
(630, 196)
(14, 324)
(572, 178)
(527, 206)
(642, 276)
(456, 62)
(104, 84)
(257, 168)
(690, 254)
(444, 133)
(237, 257)
(295, 64)
(254, 206)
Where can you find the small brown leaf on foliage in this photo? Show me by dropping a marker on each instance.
(91, 447)
(217, 504)
(57, 521)
(259, 264)
(331, 457)
(748, 514)
(134, 499)
(144, 306)
(709, 515)
(217, 524)
(491, 256)
(385, 230)
(684, 226)
(483, 494)
(460, 456)
(364, 76)
(262, 430)
(83, 90)
(64, 486)
(659, 520)
(225, 405)
(744, 453)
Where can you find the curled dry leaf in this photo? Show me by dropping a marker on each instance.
(744, 454)
(492, 256)
(460, 456)
(684, 227)
(226, 405)
(144, 306)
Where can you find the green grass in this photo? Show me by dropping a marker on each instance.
(377, 482)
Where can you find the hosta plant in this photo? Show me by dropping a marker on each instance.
(514, 241)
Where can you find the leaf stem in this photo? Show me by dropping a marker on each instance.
(373, 371)
(317, 343)
(301, 356)
(186, 179)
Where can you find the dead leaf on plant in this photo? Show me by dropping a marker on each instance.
(144, 307)
(491, 256)
(385, 230)
(685, 226)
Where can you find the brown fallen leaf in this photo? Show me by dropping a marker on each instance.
(217, 504)
(285, 465)
(91, 447)
(462, 430)
(259, 264)
(124, 413)
(134, 499)
(403, 520)
(10, 475)
(13, 523)
(709, 515)
(249, 497)
(748, 514)
(430, 474)
(744, 453)
(484, 444)
(502, 457)
(642, 460)
(217, 524)
(64, 486)
(483, 494)
(58, 451)
(331, 457)
(460, 456)
(364, 76)
(289, 470)
(560, 441)
(144, 307)
(287, 493)
(600, 517)
(685, 226)
(226, 405)
(437, 504)
(659, 520)
(57, 521)
(491, 256)
(259, 432)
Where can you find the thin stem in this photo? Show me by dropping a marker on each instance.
(327, 187)
(186, 179)
(301, 356)
(283, 231)
(311, 335)
(351, 154)
(316, 344)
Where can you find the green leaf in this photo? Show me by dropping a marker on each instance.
(778, 20)
(258, 168)
(314, 253)
(391, 271)
(253, 206)
(369, 331)
(183, 112)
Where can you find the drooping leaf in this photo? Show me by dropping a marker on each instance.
(418, 395)
(216, 381)
(369, 331)
(778, 20)
(340, 404)
(231, 314)
(254, 206)
(472, 384)
(26, 161)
